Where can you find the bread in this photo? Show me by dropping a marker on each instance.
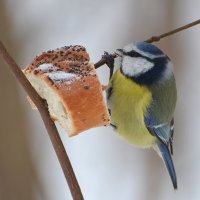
(70, 85)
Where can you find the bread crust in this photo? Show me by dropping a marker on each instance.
(69, 74)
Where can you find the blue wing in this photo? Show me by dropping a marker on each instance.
(159, 115)
(163, 131)
(159, 121)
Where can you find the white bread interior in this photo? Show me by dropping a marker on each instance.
(56, 108)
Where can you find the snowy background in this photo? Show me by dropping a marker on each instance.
(107, 168)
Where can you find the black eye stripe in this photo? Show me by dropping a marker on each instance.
(132, 54)
(136, 54)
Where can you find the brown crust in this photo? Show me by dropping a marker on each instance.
(81, 94)
(70, 53)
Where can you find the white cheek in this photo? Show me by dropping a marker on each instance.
(135, 66)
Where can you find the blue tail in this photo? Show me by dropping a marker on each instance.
(166, 155)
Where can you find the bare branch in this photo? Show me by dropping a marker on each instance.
(49, 124)
(157, 38)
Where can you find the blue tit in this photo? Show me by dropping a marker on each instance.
(141, 98)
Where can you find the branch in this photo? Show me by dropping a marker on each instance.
(49, 124)
(152, 39)
(157, 38)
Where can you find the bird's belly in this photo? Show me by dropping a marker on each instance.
(134, 131)
(127, 114)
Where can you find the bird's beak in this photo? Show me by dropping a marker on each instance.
(119, 52)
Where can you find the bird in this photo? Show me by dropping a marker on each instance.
(141, 98)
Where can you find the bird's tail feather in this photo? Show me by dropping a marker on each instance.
(166, 155)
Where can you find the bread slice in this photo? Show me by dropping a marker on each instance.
(70, 85)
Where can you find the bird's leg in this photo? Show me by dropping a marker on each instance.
(109, 61)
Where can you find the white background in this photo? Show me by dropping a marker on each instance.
(107, 168)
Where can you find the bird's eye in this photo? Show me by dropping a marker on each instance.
(133, 54)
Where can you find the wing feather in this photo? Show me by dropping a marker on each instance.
(159, 115)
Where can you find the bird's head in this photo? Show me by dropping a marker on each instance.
(144, 63)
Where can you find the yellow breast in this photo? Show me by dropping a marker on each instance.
(128, 104)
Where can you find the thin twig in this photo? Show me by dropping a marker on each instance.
(153, 39)
(157, 38)
(49, 124)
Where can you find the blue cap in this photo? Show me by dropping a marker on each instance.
(148, 48)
